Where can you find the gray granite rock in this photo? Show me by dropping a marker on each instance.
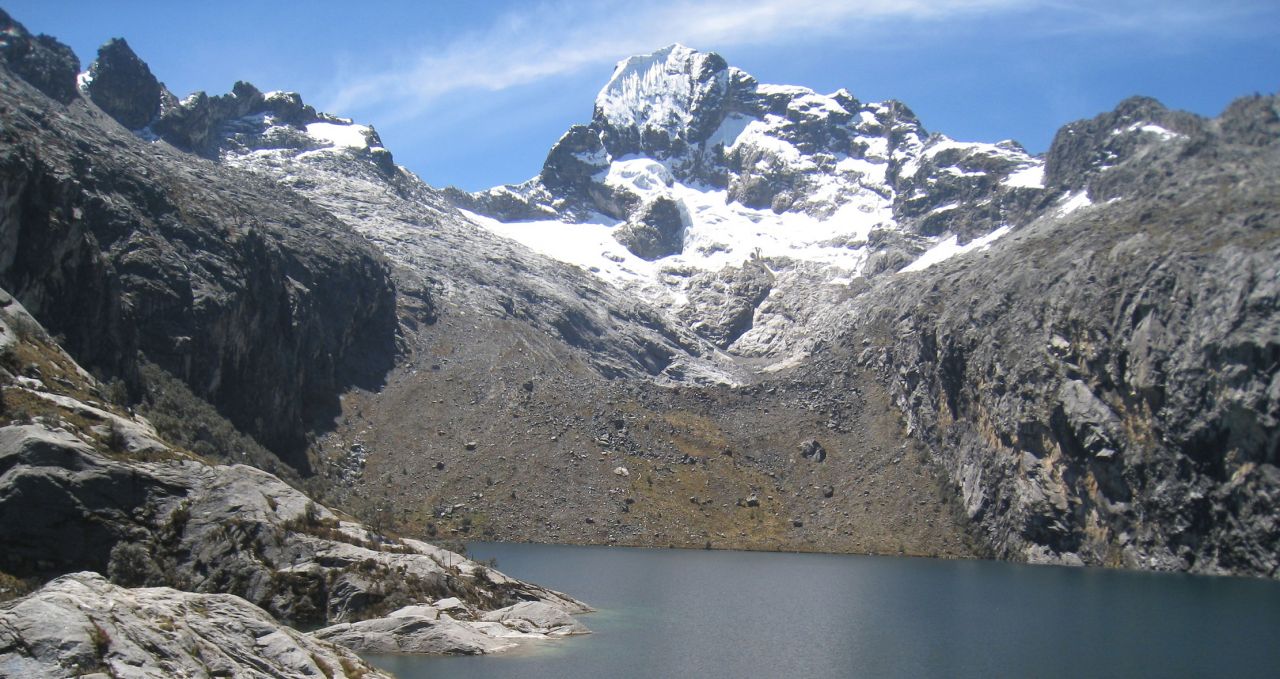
(537, 617)
(80, 624)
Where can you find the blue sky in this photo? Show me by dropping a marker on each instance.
(474, 94)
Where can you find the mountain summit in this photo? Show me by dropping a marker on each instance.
(674, 93)
(690, 170)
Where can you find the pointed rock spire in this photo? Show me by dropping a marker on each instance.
(122, 85)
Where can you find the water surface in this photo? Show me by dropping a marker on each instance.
(691, 613)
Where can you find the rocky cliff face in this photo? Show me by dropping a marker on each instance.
(1114, 401)
(262, 303)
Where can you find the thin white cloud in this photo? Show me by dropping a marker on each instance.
(563, 37)
(1170, 19)
(559, 38)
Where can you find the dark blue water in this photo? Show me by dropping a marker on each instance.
(689, 613)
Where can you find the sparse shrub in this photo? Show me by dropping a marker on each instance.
(185, 419)
(131, 565)
(178, 519)
(9, 358)
(115, 440)
(116, 392)
(12, 587)
(101, 640)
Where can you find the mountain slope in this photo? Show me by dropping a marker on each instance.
(678, 200)
(499, 342)
(342, 168)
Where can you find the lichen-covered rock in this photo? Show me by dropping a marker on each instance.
(214, 528)
(537, 617)
(413, 634)
(451, 627)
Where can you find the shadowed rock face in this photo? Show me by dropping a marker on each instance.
(262, 303)
(656, 231)
(122, 85)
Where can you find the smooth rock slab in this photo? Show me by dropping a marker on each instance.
(426, 629)
(413, 634)
(537, 617)
(82, 625)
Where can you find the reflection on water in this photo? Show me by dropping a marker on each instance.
(689, 613)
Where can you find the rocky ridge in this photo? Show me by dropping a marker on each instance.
(262, 303)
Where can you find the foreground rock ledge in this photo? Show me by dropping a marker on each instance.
(82, 625)
(452, 627)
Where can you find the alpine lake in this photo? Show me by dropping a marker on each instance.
(691, 613)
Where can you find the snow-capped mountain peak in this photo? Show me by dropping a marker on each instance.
(690, 169)
(662, 91)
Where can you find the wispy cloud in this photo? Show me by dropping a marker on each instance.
(559, 38)
(1171, 19)
(563, 37)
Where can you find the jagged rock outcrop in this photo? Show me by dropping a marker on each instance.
(47, 64)
(81, 625)
(1081, 150)
(261, 302)
(723, 305)
(123, 86)
(655, 231)
(1117, 401)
